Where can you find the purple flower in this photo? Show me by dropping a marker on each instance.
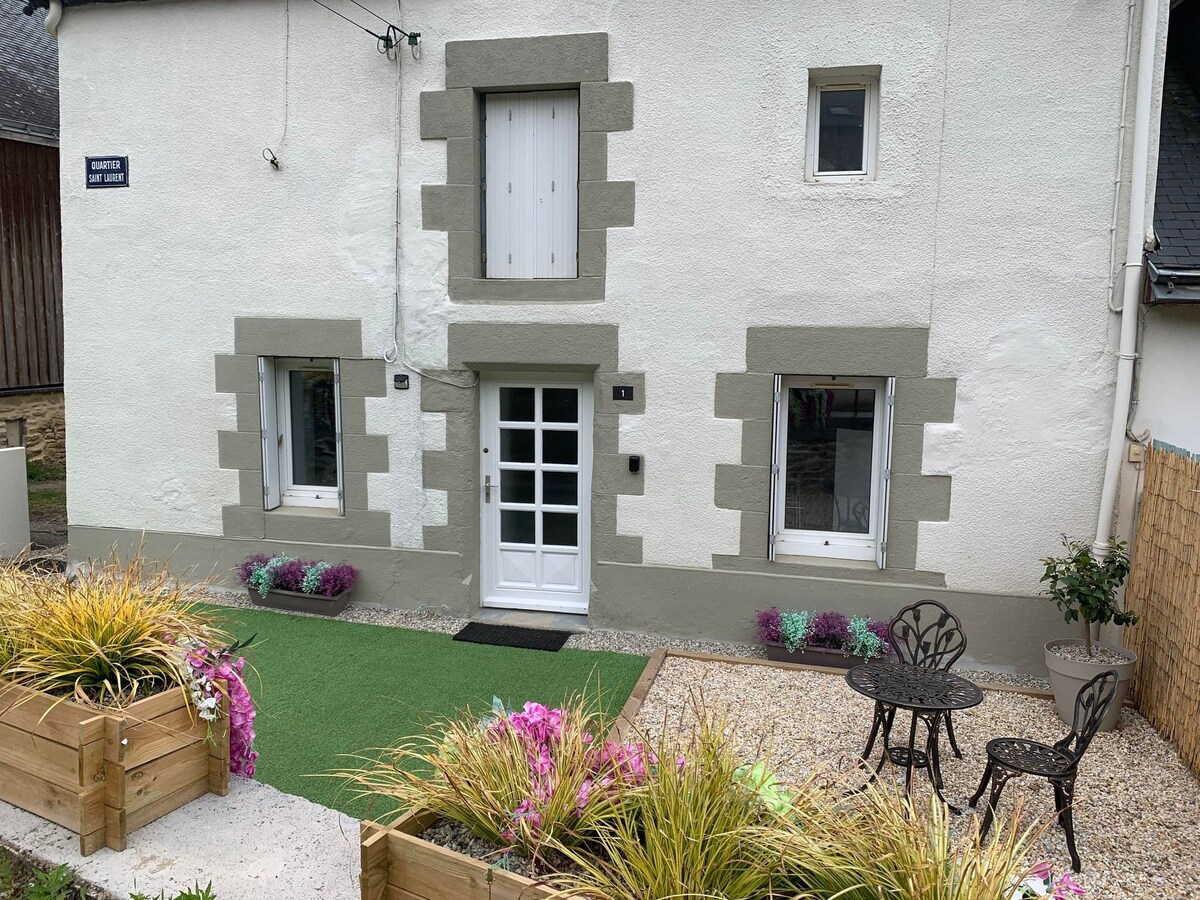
(829, 629)
(768, 623)
(290, 576)
(880, 630)
(246, 568)
(337, 579)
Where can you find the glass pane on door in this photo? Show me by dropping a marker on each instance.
(830, 445)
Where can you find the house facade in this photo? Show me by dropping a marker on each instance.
(658, 313)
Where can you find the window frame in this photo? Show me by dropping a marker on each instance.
(785, 542)
(842, 79)
(279, 485)
(490, 273)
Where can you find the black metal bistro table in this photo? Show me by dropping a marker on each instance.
(930, 695)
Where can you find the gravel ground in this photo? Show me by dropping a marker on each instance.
(456, 837)
(1137, 815)
(1101, 654)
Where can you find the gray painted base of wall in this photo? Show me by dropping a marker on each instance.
(388, 576)
(1004, 632)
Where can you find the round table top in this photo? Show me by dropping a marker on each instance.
(913, 687)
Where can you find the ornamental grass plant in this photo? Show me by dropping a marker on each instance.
(518, 780)
(696, 829)
(878, 843)
(109, 636)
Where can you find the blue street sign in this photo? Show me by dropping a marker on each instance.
(107, 171)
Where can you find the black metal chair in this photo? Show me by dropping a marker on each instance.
(928, 635)
(1010, 757)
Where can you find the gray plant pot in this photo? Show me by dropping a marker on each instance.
(295, 601)
(1067, 676)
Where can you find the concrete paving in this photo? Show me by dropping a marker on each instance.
(257, 843)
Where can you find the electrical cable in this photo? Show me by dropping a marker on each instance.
(397, 353)
(269, 154)
(348, 19)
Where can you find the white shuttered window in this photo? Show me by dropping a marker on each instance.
(531, 192)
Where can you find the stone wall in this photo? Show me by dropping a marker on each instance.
(37, 421)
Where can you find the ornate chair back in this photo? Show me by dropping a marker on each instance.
(1091, 703)
(927, 634)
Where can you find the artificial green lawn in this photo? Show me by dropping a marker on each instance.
(330, 687)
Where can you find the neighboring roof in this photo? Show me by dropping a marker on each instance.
(1177, 200)
(43, 4)
(28, 75)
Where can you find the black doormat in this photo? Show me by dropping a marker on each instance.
(513, 636)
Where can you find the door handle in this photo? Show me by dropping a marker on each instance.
(487, 488)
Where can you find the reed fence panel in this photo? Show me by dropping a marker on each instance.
(1164, 590)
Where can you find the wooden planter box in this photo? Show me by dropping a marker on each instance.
(295, 601)
(814, 656)
(398, 865)
(105, 773)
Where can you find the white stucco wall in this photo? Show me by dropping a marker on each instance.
(1168, 387)
(988, 224)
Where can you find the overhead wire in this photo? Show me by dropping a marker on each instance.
(268, 154)
(397, 353)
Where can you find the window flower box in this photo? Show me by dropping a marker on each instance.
(826, 657)
(828, 639)
(396, 862)
(298, 601)
(298, 585)
(104, 773)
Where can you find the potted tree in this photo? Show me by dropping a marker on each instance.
(1085, 587)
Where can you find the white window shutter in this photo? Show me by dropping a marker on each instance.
(531, 169)
(778, 461)
(270, 432)
(885, 489)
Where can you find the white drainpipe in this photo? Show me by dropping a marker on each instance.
(1134, 247)
(53, 15)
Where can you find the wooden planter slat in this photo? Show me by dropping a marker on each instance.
(149, 740)
(39, 756)
(398, 865)
(104, 773)
(47, 716)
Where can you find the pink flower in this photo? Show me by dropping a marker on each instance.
(584, 794)
(1042, 870)
(1066, 888)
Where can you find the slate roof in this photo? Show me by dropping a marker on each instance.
(1177, 201)
(28, 74)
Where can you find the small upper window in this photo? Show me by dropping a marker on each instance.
(830, 467)
(531, 184)
(301, 432)
(843, 114)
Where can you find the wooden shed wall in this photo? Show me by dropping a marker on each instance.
(31, 327)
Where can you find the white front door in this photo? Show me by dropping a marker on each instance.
(536, 466)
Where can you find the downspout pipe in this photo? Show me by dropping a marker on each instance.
(53, 17)
(1134, 247)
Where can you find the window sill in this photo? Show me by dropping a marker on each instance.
(316, 512)
(585, 288)
(827, 562)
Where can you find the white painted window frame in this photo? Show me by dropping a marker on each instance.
(843, 79)
(872, 546)
(279, 485)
